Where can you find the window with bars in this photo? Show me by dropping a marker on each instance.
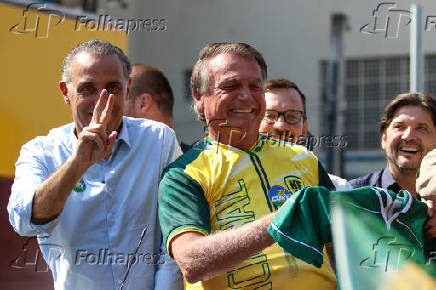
(370, 83)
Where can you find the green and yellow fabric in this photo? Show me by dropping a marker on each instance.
(377, 234)
(217, 187)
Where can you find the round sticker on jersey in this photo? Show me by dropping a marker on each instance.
(80, 186)
(278, 195)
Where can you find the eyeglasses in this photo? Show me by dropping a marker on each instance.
(291, 117)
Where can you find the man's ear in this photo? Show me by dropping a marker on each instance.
(144, 102)
(198, 101)
(64, 90)
(383, 140)
(129, 82)
(305, 127)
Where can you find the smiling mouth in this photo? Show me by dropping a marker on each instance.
(242, 110)
(408, 149)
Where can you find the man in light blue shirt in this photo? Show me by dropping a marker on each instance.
(88, 189)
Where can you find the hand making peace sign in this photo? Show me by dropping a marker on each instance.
(94, 143)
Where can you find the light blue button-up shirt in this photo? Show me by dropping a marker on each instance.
(108, 234)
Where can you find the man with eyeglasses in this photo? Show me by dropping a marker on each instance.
(284, 98)
(285, 117)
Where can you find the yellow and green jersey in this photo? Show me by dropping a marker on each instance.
(216, 187)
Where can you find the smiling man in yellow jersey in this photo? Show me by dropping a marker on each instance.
(217, 200)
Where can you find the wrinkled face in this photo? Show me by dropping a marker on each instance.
(90, 74)
(407, 139)
(234, 104)
(281, 100)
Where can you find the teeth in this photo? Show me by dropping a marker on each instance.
(409, 149)
(242, 110)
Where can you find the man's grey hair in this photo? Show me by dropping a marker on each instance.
(99, 47)
(200, 72)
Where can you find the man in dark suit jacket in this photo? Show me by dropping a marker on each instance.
(408, 129)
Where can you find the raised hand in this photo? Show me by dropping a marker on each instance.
(95, 142)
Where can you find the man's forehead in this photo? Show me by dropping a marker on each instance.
(83, 57)
(286, 97)
(413, 111)
(89, 66)
(417, 114)
(87, 59)
(230, 65)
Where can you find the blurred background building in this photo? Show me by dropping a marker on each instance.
(294, 38)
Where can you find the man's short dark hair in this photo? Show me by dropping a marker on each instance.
(281, 83)
(426, 102)
(99, 47)
(148, 79)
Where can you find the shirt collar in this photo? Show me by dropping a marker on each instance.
(256, 147)
(259, 143)
(72, 139)
(388, 181)
(123, 135)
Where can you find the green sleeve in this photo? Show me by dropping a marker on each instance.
(324, 179)
(182, 205)
(302, 225)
